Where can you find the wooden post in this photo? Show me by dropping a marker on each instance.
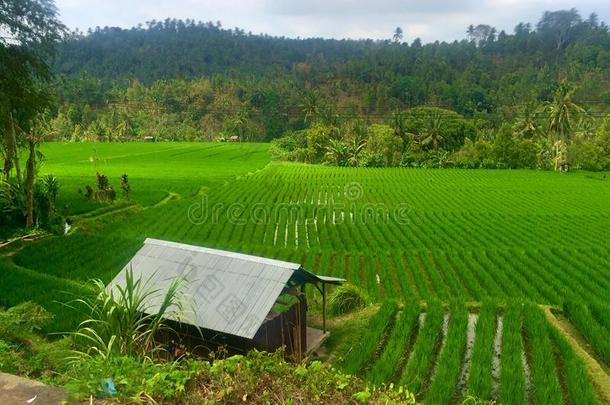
(324, 307)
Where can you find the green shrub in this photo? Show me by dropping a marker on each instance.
(258, 378)
(132, 378)
(474, 154)
(452, 128)
(587, 156)
(347, 298)
(18, 323)
(263, 378)
(9, 359)
(23, 350)
(291, 146)
(383, 143)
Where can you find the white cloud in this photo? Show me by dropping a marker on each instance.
(429, 19)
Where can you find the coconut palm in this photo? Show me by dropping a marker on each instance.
(561, 155)
(584, 129)
(399, 125)
(432, 133)
(527, 126)
(397, 37)
(312, 105)
(562, 112)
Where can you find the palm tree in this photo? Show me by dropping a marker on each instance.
(40, 131)
(560, 150)
(397, 37)
(527, 125)
(470, 32)
(562, 112)
(584, 129)
(399, 125)
(433, 131)
(311, 106)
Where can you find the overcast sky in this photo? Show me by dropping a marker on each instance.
(428, 19)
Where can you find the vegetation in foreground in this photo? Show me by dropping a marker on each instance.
(113, 354)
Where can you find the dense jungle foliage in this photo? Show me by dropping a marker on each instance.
(494, 99)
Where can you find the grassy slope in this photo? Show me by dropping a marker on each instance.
(154, 169)
(100, 247)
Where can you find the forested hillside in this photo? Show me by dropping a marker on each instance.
(187, 80)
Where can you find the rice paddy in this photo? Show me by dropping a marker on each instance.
(437, 247)
(537, 365)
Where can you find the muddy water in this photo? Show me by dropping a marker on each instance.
(444, 330)
(497, 359)
(528, 378)
(470, 336)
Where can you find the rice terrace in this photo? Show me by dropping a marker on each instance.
(192, 214)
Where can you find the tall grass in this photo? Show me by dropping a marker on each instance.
(126, 319)
(396, 350)
(347, 298)
(546, 388)
(479, 380)
(365, 349)
(451, 358)
(597, 335)
(512, 375)
(415, 374)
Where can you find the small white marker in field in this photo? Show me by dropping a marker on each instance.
(378, 279)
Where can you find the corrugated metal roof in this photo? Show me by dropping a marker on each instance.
(231, 292)
(330, 280)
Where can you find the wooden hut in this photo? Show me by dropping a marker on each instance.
(238, 301)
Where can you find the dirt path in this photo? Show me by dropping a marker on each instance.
(16, 390)
(28, 237)
(599, 377)
(171, 196)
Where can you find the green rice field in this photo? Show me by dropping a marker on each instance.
(459, 259)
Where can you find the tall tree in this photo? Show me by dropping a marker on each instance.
(312, 106)
(562, 112)
(397, 37)
(527, 124)
(30, 30)
(470, 32)
(557, 27)
(399, 125)
(433, 131)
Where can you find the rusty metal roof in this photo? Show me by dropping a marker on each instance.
(228, 292)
